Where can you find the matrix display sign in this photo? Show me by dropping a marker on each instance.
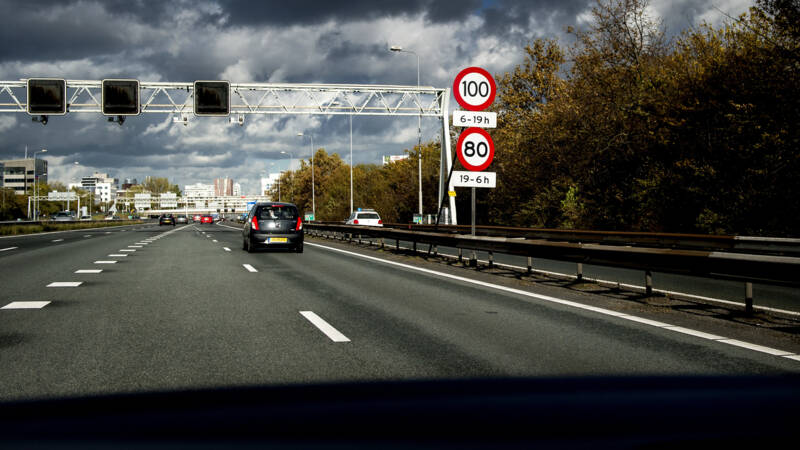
(120, 97)
(47, 96)
(212, 98)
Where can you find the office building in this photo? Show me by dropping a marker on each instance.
(223, 187)
(101, 185)
(198, 190)
(20, 174)
(237, 189)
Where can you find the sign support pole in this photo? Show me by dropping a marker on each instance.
(473, 211)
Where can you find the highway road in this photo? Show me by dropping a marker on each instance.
(145, 308)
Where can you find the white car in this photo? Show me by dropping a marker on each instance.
(368, 217)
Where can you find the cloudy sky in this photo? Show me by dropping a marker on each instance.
(301, 41)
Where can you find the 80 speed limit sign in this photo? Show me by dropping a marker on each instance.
(474, 89)
(475, 149)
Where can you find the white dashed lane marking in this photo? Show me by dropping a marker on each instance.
(105, 262)
(56, 240)
(127, 250)
(324, 326)
(249, 268)
(89, 271)
(7, 249)
(117, 255)
(65, 284)
(134, 246)
(25, 305)
(226, 249)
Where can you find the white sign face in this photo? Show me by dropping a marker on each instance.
(474, 179)
(475, 149)
(474, 119)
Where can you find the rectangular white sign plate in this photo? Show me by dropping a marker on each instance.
(479, 119)
(474, 179)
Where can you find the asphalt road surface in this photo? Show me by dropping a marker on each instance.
(185, 307)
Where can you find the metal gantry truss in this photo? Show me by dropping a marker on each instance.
(254, 98)
(84, 96)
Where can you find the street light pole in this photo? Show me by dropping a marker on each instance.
(291, 157)
(313, 195)
(395, 48)
(351, 164)
(35, 186)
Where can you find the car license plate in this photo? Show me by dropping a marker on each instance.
(276, 240)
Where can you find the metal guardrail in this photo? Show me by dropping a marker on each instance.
(745, 267)
(726, 243)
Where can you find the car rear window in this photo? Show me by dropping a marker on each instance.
(368, 216)
(277, 213)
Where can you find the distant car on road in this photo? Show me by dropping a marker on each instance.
(273, 224)
(86, 217)
(206, 219)
(181, 218)
(63, 216)
(166, 219)
(368, 217)
(197, 218)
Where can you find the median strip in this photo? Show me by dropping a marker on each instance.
(324, 326)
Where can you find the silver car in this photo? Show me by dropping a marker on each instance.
(63, 216)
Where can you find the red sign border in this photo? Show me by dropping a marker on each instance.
(461, 159)
(460, 99)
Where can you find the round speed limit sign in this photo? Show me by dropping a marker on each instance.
(475, 149)
(474, 89)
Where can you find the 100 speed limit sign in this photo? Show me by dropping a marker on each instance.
(475, 149)
(474, 89)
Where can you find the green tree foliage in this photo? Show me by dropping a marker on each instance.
(628, 131)
(159, 185)
(392, 190)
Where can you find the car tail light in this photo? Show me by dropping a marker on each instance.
(255, 223)
(299, 225)
(380, 222)
(355, 222)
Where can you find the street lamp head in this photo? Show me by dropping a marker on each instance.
(283, 152)
(300, 134)
(396, 48)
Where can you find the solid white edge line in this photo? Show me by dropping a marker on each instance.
(25, 305)
(7, 249)
(249, 268)
(89, 271)
(65, 284)
(547, 298)
(324, 326)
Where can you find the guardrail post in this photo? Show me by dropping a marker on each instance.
(381, 243)
(415, 247)
(435, 250)
(491, 259)
(473, 259)
(350, 238)
(648, 282)
(397, 245)
(359, 239)
(530, 264)
(580, 271)
(460, 256)
(748, 297)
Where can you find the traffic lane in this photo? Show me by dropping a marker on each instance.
(180, 313)
(27, 242)
(402, 324)
(26, 274)
(781, 297)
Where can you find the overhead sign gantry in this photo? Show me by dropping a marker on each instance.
(119, 98)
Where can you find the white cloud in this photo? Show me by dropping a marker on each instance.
(7, 122)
